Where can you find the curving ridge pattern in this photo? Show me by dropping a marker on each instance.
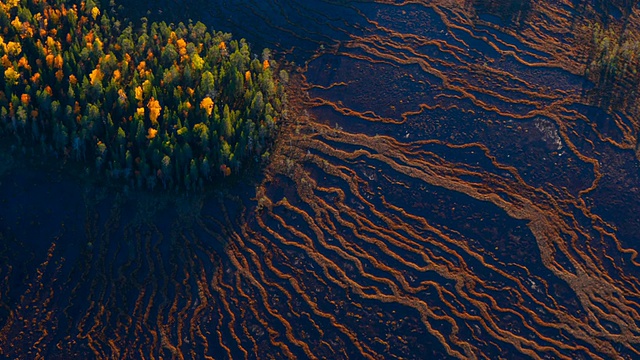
(440, 190)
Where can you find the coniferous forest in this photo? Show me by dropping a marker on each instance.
(152, 106)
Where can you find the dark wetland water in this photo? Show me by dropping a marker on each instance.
(442, 188)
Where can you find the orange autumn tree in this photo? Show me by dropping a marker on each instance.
(151, 133)
(207, 105)
(138, 93)
(96, 76)
(154, 110)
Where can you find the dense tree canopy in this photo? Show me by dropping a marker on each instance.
(162, 105)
